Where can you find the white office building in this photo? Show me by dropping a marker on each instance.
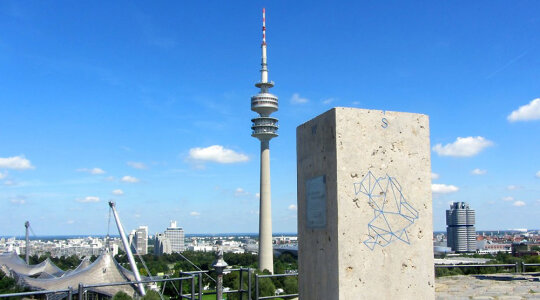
(138, 239)
(162, 245)
(175, 235)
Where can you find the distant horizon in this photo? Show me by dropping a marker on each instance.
(116, 235)
(66, 236)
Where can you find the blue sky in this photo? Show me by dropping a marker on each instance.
(148, 104)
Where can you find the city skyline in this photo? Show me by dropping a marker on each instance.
(148, 105)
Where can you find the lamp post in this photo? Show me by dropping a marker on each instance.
(219, 265)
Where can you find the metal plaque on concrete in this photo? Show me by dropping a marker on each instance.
(316, 202)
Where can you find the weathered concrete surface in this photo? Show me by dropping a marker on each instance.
(363, 155)
(488, 287)
(493, 286)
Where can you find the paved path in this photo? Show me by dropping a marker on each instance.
(489, 286)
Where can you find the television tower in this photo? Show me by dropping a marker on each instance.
(265, 128)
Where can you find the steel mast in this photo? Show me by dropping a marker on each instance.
(27, 226)
(128, 249)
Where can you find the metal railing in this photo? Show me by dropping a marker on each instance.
(68, 291)
(515, 266)
(82, 289)
(257, 277)
(240, 289)
(196, 292)
(524, 266)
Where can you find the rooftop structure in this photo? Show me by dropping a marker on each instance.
(11, 262)
(104, 270)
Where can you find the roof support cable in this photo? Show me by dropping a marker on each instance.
(32, 231)
(147, 271)
(108, 238)
(189, 261)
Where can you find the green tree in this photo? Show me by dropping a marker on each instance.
(8, 285)
(266, 287)
(121, 296)
(291, 285)
(151, 295)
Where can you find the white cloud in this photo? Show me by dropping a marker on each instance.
(18, 201)
(97, 171)
(443, 188)
(15, 163)
(240, 192)
(118, 192)
(88, 199)
(70, 222)
(519, 203)
(434, 176)
(194, 213)
(463, 147)
(508, 198)
(93, 171)
(218, 154)
(513, 187)
(296, 99)
(137, 165)
(528, 112)
(328, 101)
(257, 195)
(478, 172)
(538, 174)
(10, 183)
(130, 179)
(5, 174)
(292, 207)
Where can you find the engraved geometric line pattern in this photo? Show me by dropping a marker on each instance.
(392, 213)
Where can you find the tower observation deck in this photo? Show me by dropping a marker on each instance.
(264, 103)
(265, 128)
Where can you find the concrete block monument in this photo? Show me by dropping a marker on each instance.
(364, 206)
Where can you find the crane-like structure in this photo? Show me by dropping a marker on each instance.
(127, 247)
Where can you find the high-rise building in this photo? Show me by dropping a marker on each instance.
(138, 239)
(131, 239)
(265, 128)
(175, 235)
(162, 245)
(461, 233)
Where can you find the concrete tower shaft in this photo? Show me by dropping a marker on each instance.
(265, 128)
